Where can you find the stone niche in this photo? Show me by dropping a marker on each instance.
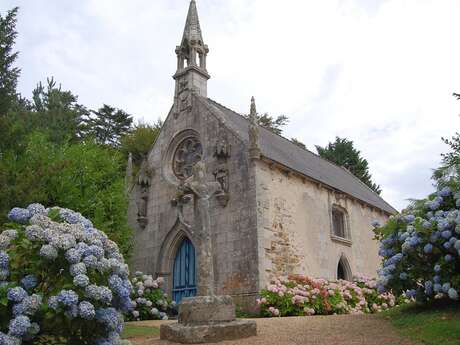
(207, 319)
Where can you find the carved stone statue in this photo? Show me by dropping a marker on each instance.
(222, 148)
(143, 182)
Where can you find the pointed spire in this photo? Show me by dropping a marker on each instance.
(191, 74)
(192, 30)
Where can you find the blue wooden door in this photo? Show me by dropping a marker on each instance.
(184, 278)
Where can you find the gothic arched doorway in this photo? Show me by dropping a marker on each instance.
(343, 269)
(184, 272)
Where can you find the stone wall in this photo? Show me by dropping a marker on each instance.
(295, 228)
(234, 226)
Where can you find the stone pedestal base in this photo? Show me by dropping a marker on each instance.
(207, 319)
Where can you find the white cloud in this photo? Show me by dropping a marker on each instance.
(378, 72)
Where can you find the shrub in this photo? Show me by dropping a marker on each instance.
(421, 249)
(149, 300)
(61, 280)
(300, 295)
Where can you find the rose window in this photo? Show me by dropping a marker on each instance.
(188, 153)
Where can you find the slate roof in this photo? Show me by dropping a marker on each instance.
(283, 151)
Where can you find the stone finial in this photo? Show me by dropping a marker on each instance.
(253, 112)
(254, 149)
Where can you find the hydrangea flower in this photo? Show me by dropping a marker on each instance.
(446, 287)
(77, 269)
(29, 281)
(48, 252)
(428, 249)
(83, 249)
(19, 215)
(453, 294)
(36, 209)
(68, 298)
(19, 326)
(81, 280)
(29, 305)
(4, 260)
(16, 294)
(53, 302)
(445, 192)
(73, 255)
(86, 310)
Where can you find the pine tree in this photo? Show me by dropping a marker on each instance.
(108, 125)
(343, 153)
(57, 112)
(8, 74)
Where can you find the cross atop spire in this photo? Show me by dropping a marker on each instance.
(192, 30)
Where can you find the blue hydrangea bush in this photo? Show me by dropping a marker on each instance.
(61, 280)
(421, 248)
(150, 302)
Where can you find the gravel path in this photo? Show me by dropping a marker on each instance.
(317, 330)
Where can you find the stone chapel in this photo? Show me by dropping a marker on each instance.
(273, 208)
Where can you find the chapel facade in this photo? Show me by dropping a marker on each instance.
(275, 209)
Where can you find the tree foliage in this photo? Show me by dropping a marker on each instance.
(57, 112)
(86, 177)
(140, 140)
(298, 143)
(342, 152)
(108, 124)
(271, 123)
(8, 73)
(450, 165)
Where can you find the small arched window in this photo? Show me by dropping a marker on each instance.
(339, 223)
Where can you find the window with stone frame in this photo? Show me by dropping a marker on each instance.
(339, 223)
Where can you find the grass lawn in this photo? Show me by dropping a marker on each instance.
(131, 331)
(434, 324)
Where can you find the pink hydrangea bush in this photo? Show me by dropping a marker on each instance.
(149, 301)
(300, 295)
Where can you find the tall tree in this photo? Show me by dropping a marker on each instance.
(342, 152)
(57, 112)
(8, 73)
(108, 125)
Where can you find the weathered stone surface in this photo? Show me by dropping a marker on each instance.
(206, 310)
(211, 333)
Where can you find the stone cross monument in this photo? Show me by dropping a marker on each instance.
(203, 190)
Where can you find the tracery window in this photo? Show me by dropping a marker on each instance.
(187, 154)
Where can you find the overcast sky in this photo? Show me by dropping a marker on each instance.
(381, 73)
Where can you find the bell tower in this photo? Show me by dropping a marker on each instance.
(191, 75)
